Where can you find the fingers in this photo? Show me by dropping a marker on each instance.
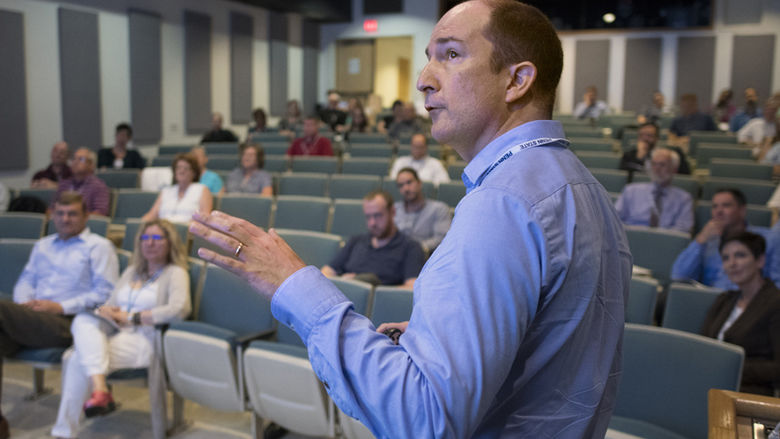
(220, 239)
(228, 263)
(237, 228)
(401, 326)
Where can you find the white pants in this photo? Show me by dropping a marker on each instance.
(97, 350)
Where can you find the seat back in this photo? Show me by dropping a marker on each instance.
(642, 297)
(687, 306)
(366, 166)
(275, 162)
(358, 138)
(324, 165)
(223, 162)
(600, 160)
(592, 144)
(173, 149)
(656, 249)
(352, 186)
(348, 218)
(253, 208)
(666, 377)
(119, 178)
(45, 195)
(756, 192)
(756, 215)
(197, 271)
(370, 150)
(303, 183)
(708, 151)
(22, 225)
(391, 304)
(451, 193)
(455, 170)
(124, 257)
(14, 254)
(613, 180)
(734, 168)
(302, 213)
(714, 137)
(132, 203)
(315, 248)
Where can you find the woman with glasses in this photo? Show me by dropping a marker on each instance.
(153, 290)
(750, 316)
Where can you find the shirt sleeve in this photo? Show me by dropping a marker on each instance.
(688, 264)
(449, 365)
(24, 290)
(104, 267)
(684, 220)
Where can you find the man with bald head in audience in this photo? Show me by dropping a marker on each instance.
(518, 315)
(657, 204)
(57, 170)
(95, 192)
(217, 133)
(427, 167)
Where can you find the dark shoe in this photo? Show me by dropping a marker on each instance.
(99, 404)
(5, 430)
(274, 431)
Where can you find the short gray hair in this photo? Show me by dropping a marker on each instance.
(672, 154)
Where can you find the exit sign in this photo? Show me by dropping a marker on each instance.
(370, 25)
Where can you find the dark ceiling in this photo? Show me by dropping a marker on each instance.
(316, 10)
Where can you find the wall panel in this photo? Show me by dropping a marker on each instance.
(642, 72)
(197, 72)
(695, 63)
(278, 63)
(13, 92)
(592, 67)
(752, 63)
(145, 76)
(241, 31)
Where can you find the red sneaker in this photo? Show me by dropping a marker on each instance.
(99, 404)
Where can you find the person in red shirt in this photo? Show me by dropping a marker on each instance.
(311, 143)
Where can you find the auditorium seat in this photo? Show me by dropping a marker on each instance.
(656, 249)
(22, 225)
(325, 165)
(455, 170)
(252, 207)
(687, 306)
(708, 151)
(366, 166)
(281, 383)
(612, 179)
(603, 160)
(173, 149)
(451, 193)
(352, 186)
(45, 195)
(119, 178)
(315, 248)
(303, 183)
(14, 254)
(756, 192)
(132, 203)
(700, 137)
(734, 168)
(301, 212)
(642, 297)
(591, 144)
(666, 377)
(370, 150)
(391, 304)
(359, 138)
(275, 162)
(583, 132)
(348, 218)
(756, 215)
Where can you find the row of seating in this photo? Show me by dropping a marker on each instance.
(219, 361)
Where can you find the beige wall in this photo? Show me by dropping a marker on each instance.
(388, 51)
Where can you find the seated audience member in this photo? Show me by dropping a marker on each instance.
(723, 110)
(407, 126)
(637, 159)
(177, 203)
(311, 143)
(397, 116)
(249, 176)
(751, 110)
(748, 315)
(292, 122)
(700, 261)
(657, 204)
(57, 170)
(258, 115)
(653, 113)
(372, 109)
(357, 121)
(759, 129)
(120, 156)
(5, 198)
(83, 180)
(154, 289)
(217, 133)
(332, 115)
(690, 119)
(68, 272)
(427, 167)
(591, 107)
(384, 255)
(426, 221)
(209, 178)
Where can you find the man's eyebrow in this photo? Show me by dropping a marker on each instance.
(443, 40)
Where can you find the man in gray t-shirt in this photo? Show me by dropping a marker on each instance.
(426, 221)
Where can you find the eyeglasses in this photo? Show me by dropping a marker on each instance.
(146, 237)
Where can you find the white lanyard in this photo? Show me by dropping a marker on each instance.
(517, 148)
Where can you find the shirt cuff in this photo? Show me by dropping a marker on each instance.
(70, 307)
(303, 298)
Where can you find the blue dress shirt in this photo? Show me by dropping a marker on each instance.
(702, 262)
(78, 273)
(636, 203)
(518, 316)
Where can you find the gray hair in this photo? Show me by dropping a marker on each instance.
(672, 154)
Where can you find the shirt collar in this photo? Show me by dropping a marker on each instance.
(493, 150)
(81, 236)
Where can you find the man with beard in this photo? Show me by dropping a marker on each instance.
(384, 255)
(701, 260)
(425, 221)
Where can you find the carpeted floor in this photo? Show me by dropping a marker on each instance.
(34, 419)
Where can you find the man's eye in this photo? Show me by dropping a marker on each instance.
(451, 54)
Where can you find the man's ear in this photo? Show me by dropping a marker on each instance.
(523, 76)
